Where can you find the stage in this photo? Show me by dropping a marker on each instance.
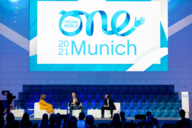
(107, 120)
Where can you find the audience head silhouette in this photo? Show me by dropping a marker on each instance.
(184, 122)
(89, 120)
(59, 119)
(25, 117)
(182, 113)
(122, 114)
(44, 121)
(116, 117)
(10, 117)
(45, 117)
(81, 116)
(148, 113)
(53, 119)
(71, 122)
(11, 123)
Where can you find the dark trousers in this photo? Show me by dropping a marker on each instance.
(106, 108)
(76, 108)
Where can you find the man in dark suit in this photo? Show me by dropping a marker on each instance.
(75, 104)
(108, 105)
(184, 122)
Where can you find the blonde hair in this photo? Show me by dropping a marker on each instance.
(42, 97)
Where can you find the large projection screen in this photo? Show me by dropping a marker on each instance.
(98, 35)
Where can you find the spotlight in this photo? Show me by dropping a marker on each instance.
(14, 1)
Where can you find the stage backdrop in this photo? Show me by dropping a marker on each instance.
(15, 59)
(104, 35)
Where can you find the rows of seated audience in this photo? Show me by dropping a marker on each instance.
(118, 121)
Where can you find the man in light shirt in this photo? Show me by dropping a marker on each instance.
(81, 121)
(108, 105)
(75, 104)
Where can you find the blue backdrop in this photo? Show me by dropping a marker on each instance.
(14, 54)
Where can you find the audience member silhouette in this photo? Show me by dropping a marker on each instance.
(64, 125)
(184, 122)
(89, 121)
(151, 117)
(53, 121)
(45, 122)
(132, 125)
(149, 122)
(81, 121)
(59, 121)
(123, 119)
(1, 114)
(116, 123)
(72, 122)
(11, 123)
(25, 122)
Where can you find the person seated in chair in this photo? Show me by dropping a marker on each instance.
(75, 104)
(184, 122)
(44, 105)
(108, 105)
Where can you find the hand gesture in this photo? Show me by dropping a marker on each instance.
(139, 22)
(73, 103)
(75, 99)
(105, 106)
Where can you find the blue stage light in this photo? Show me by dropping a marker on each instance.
(14, 1)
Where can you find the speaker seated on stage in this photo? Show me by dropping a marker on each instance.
(75, 104)
(184, 122)
(44, 105)
(108, 105)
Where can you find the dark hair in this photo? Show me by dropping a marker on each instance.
(148, 113)
(52, 119)
(10, 117)
(148, 123)
(116, 117)
(81, 116)
(89, 120)
(182, 113)
(25, 118)
(44, 121)
(122, 114)
(72, 121)
(65, 121)
(59, 119)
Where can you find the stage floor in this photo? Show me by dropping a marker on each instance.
(161, 121)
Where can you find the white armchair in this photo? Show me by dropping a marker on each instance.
(37, 112)
(107, 113)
